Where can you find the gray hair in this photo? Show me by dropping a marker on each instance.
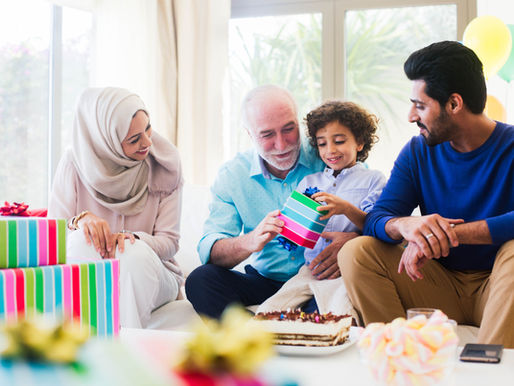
(258, 92)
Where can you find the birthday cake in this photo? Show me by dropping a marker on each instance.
(297, 328)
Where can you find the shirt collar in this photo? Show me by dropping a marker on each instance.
(330, 172)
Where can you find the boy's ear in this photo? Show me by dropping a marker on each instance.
(360, 146)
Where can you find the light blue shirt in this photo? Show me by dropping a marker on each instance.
(242, 195)
(358, 185)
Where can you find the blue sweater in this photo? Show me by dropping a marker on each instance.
(477, 185)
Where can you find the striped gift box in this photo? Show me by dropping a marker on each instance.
(32, 242)
(87, 292)
(301, 220)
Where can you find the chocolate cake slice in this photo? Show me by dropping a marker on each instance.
(297, 328)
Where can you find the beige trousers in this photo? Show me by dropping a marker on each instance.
(379, 294)
(330, 295)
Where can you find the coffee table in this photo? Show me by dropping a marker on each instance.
(341, 368)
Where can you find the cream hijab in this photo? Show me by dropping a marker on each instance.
(115, 181)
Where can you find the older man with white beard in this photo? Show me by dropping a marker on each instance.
(247, 195)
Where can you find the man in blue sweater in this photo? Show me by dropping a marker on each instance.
(460, 172)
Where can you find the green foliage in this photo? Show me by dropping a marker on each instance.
(23, 123)
(377, 43)
(24, 109)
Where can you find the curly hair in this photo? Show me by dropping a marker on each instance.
(361, 123)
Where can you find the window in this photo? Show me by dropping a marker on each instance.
(283, 50)
(44, 61)
(336, 49)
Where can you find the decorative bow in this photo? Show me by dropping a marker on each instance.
(287, 244)
(311, 190)
(16, 209)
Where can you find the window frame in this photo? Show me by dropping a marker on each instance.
(333, 38)
(55, 88)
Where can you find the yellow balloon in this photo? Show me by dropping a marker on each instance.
(490, 38)
(494, 109)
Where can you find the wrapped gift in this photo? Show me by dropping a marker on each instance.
(302, 225)
(32, 242)
(87, 292)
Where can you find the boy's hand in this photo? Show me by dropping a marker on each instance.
(334, 204)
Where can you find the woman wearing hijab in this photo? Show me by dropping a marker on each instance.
(120, 185)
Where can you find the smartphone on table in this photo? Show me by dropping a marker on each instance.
(485, 353)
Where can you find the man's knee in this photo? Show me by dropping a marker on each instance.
(199, 280)
(364, 254)
(353, 254)
(507, 249)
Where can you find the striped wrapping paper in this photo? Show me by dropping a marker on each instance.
(87, 292)
(301, 220)
(32, 242)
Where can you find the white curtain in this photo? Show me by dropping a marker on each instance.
(173, 53)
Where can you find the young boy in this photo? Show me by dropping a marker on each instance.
(343, 134)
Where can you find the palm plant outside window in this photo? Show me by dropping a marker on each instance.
(287, 50)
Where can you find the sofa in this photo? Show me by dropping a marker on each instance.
(179, 314)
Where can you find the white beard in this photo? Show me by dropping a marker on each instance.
(285, 164)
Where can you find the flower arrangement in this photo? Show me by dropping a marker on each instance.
(36, 339)
(232, 347)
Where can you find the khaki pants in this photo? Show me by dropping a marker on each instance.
(379, 294)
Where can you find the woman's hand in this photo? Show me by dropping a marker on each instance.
(335, 205)
(119, 240)
(97, 231)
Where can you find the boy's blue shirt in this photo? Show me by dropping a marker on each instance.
(358, 185)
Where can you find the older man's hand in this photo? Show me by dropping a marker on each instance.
(266, 231)
(324, 266)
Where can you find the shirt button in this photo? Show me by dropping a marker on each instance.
(285, 183)
(292, 258)
(334, 184)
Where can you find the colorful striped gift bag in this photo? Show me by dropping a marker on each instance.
(32, 242)
(87, 292)
(301, 220)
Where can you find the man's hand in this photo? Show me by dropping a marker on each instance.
(433, 234)
(267, 229)
(324, 266)
(412, 260)
(231, 251)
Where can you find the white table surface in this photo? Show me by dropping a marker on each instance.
(342, 368)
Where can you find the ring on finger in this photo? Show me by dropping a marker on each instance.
(429, 236)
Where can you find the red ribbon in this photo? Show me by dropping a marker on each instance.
(16, 209)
